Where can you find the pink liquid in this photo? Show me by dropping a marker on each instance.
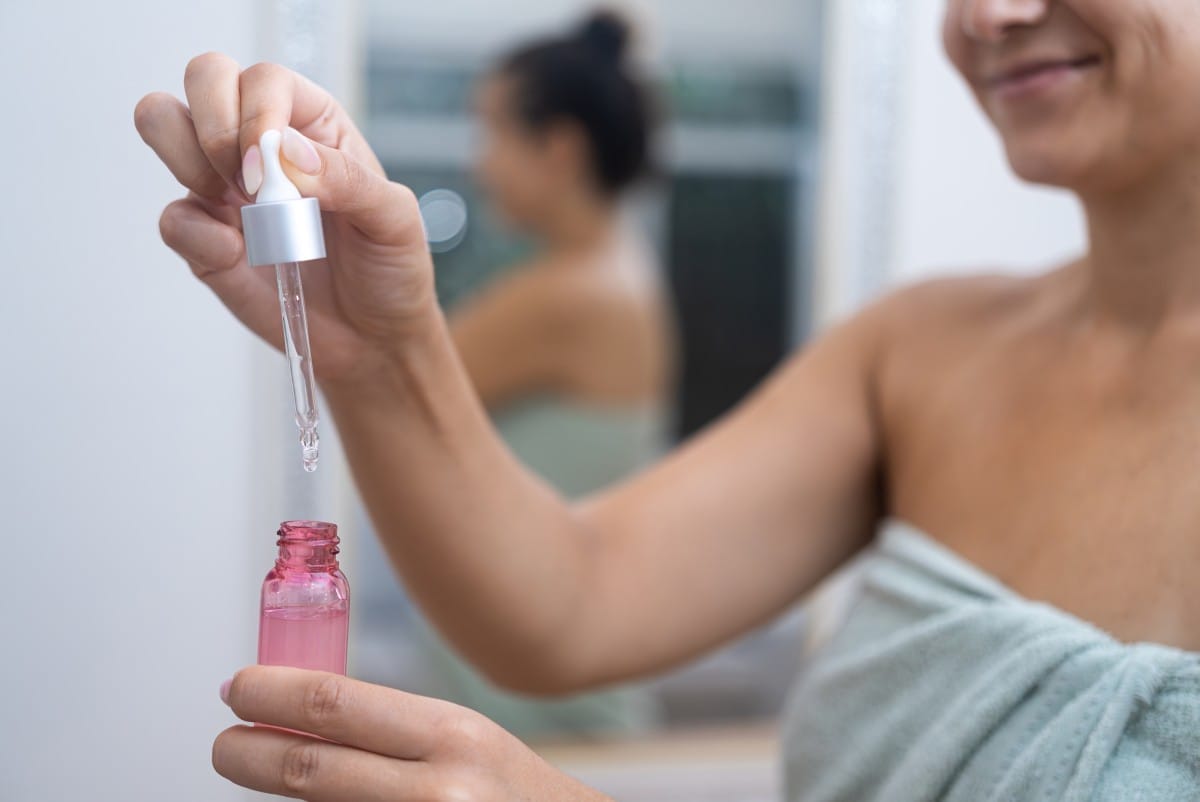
(305, 637)
(305, 601)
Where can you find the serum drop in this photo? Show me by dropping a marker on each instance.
(305, 601)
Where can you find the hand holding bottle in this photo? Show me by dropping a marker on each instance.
(378, 284)
(379, 744)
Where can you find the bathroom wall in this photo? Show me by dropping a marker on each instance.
(128, 482)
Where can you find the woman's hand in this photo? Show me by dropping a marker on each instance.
(378, 283)
(381, 744)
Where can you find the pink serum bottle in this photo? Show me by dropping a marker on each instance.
(305, 601)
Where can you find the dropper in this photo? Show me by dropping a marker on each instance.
(283, 229)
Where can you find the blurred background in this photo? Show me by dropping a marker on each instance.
(810, 156)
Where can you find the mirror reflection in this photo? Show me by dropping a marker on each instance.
(634, 263)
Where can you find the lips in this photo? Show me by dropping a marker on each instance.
(1031, 69)
(1033, 74)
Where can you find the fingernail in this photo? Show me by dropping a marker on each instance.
(252, 170)
(225, 686)
(300, 152)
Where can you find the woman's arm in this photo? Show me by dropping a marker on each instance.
(541, 595)
(546, 597)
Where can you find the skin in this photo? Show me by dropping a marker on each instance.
(1076, 488)
(1044, 428)
(587, 318)
(378, 744)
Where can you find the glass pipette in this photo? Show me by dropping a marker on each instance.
(295, 343)
(283, 229)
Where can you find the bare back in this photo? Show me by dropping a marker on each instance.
(1054, 454)
(594, 327)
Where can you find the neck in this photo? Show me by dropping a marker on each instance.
(1143, 265)
(579, 224)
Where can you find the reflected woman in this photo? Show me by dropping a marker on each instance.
(572, 352)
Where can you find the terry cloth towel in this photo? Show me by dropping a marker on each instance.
(944, 684)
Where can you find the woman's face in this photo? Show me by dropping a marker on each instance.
(1088, 94)
(521, 171)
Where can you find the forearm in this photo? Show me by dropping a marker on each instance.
(496, 559)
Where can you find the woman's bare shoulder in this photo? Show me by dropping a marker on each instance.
(976, 297)
(932, 326)
(976, 303)
(529, 287)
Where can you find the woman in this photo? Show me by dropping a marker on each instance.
(581, 332)
(1041, 431)
(572, 352)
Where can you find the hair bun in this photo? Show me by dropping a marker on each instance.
(607, 33)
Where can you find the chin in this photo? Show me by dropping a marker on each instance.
(1056, 167)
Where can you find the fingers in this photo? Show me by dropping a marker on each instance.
(369, 717)
(274, 97)
(214, 250)
(204, 144)
(166, 126)
(385, 212)
(277, 762)
(203, 241)
(211, 83)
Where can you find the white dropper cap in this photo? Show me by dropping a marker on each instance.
(281, 226)
(275, 186)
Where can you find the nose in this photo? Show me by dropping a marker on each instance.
(992, 20)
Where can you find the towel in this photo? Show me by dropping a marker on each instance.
(944, 684)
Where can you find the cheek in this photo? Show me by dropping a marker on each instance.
(496, 166)
(955, 42)
(1157, 85)
(489, 158)
(953, 39)
(515, 182)
(1152, 44)
(526, 171)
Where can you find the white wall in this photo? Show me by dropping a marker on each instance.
(958, 206)
(128, 497)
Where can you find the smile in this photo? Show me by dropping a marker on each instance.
(1037, 77)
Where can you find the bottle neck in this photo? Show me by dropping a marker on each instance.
(307, 546)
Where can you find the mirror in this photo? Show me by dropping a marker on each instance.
(729, 215)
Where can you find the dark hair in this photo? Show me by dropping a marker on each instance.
(583, 77)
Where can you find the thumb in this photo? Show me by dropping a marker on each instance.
(383, 211)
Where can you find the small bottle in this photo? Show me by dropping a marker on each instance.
(305, 601)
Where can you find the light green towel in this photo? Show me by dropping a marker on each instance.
(946, 685)
(581, 448)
